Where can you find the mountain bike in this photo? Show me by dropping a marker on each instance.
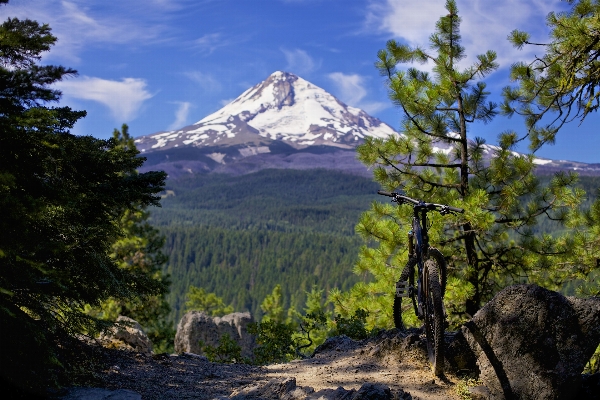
(427, 298)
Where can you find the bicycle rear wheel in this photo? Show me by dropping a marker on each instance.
(404, 277)
(434, 317)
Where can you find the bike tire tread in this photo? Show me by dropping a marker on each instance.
(434, 324)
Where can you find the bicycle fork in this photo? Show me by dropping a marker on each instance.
(405, 288)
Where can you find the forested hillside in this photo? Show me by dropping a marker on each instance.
(240, 236)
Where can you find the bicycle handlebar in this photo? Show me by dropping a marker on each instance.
(430, 206)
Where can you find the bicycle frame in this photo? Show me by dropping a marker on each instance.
(419, 232)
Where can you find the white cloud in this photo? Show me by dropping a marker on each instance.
(210, 42)
(77, 25)
(181, 115)
(123, 98)
(206, 81)
(350, 87)
(485, 24)
(299, 62)
(351, 90)
(224, 102)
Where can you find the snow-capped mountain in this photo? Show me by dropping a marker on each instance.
(284, 107)
(284, 122)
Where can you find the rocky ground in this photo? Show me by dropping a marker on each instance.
(338, 369)
(527, 342)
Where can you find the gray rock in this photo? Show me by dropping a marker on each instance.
(127, 334)
(286, 389)
(279, 388)
(336, 343)
(82, 393)
(374, 391)
(533, 343)
(479, 393)
(332, 394)
(197, 326)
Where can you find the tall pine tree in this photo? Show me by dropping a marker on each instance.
(561, 85)
(61, 197)
(557, 87)
(140, 251)
(438, 158)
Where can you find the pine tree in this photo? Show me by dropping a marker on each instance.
(61, 197)
(493, 243)
(556, 88)
(140, 251)
(197, 299)
(562, 84)
(272, 307)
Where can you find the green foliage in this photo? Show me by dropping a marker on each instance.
(275, 342)
(239, 237)
(284, 337)
(313, 332)
(139, 250)
(463, 385)
(62, 197)
(353, 327)
(228, 351)
(272, 307)
(583, 265)
(557, 87)
(495, 242)
(319, 201)
(314, 324)
(199, 300)
(593, 365)
(561, 85)
(274, 334)
(243, 266)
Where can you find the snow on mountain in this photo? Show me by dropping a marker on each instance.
(284, 107)
(285, 122)
(544, 165)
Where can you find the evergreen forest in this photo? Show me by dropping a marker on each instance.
(240, 236)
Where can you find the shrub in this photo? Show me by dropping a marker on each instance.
(228, 351)
(353, 327)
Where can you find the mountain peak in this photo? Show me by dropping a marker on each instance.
(282, 75)
(283, 107)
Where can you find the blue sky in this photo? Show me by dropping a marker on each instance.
(163, 64)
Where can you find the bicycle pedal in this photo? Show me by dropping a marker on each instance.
(402, 289)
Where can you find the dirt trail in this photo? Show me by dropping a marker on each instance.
(388, 363)
(391, 359)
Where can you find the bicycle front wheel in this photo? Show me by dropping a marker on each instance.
(434, 318)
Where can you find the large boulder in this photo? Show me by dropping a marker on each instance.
(127, 334)
(196, 329)
(533, 343)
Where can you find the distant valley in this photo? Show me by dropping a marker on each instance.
(239, 236)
